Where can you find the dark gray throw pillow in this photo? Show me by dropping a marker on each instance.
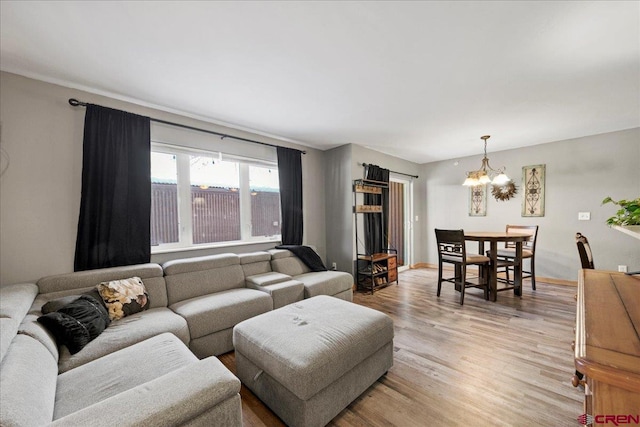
(77, 323)
(58, 303)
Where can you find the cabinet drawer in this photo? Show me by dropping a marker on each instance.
(392, 276)
(392, 263)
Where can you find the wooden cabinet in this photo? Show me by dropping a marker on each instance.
(377, 270)
(607, 344)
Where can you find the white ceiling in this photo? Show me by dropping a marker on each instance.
(418, 80)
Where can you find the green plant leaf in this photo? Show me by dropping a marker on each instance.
(628, 214)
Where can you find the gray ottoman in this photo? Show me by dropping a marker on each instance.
(308, 360)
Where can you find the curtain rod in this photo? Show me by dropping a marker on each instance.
(399, 173)
(74, 102)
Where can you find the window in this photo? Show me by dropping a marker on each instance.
(204, 198)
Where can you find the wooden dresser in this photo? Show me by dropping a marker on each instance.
(607, 345)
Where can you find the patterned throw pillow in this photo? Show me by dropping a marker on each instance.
(124, 297)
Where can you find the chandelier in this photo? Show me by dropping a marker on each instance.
(486, 174)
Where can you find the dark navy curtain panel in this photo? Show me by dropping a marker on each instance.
(115, 206)
(375, 224)
(290, 176)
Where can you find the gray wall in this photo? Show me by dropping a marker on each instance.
(40, 191)
(364, 155)
(338, 178)
(343, 165)
(579, 174)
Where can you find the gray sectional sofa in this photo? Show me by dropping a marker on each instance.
(156, 366)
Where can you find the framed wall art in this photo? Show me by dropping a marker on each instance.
(478, 200)
(533, 190)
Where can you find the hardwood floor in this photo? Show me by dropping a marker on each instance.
(504, 363)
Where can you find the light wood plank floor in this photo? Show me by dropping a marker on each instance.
(507, 363)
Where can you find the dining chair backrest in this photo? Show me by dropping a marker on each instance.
(584, 250)
(450, 243)
(531, 230)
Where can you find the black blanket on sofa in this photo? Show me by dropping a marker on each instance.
(307, 255)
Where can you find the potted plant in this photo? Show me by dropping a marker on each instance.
(628, 216)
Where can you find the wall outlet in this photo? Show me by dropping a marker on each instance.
(622, 268)
(584, 216)
(334, 266)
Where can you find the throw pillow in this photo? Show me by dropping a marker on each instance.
(77, 323)
(58, 303)
(124, 297)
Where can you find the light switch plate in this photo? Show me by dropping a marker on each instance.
(584, 216)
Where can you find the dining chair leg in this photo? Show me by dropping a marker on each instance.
(533, 273)
(463, 283)
(485, 277)
(439, 277)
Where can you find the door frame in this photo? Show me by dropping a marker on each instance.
(408, 217)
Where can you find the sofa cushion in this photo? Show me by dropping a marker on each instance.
(203, 393)
(37, 331)
(194, 277)
(255, 263)
(325, 283)
(307, 255)
(28, 376)
(124, 333)
(8, 330)
(283, 293)
(119, 371)
(15, 300)
(221, 310)
(203, 263)
(266, 279)
(80, 281)
(284, 261)
(77, 323)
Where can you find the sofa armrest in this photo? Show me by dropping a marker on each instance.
(173, 399)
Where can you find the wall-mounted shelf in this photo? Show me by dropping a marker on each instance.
(632, 230)
(368, 209)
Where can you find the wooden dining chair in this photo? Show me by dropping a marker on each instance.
(584, 250)
(507, 256)
(452, 250)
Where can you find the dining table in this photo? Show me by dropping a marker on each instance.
(494, 237)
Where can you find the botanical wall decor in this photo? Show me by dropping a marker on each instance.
(504, 192)
(478, 200)
(533, 184)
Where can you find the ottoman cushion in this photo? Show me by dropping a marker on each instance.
(310, 344)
